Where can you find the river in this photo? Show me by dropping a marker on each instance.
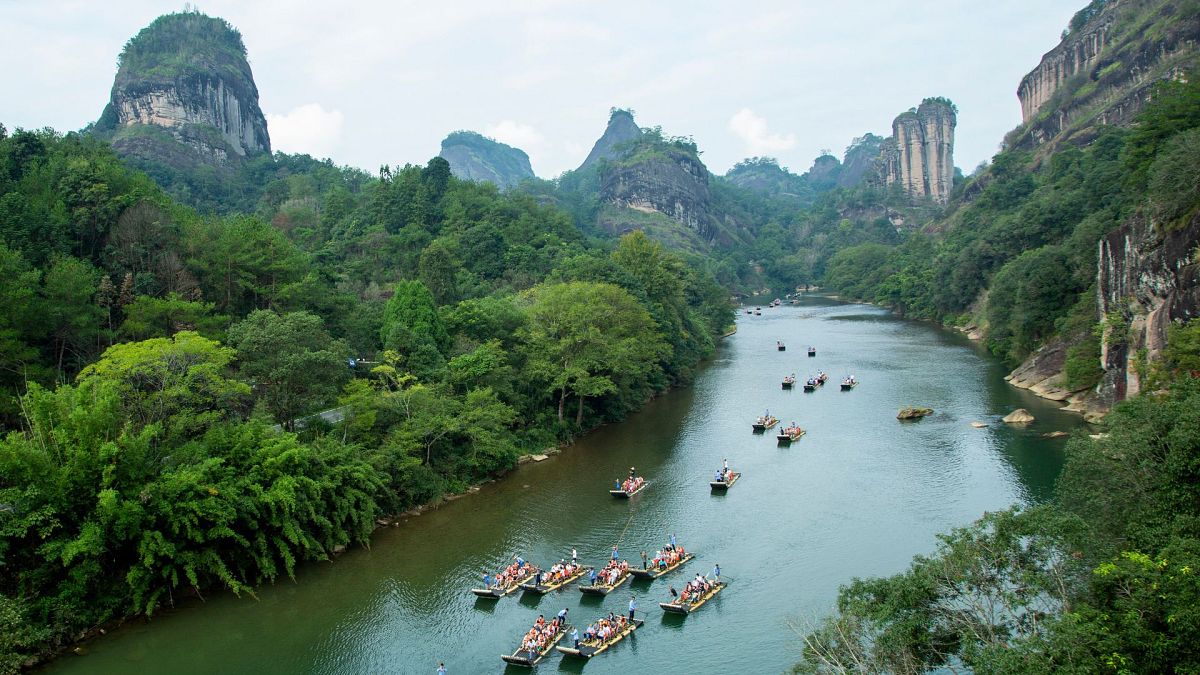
(859, 495)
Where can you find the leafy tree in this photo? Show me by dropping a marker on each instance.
(412, 327)
(148, 317)
(582, 337)
(293, 362)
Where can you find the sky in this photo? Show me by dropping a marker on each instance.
(372, 83)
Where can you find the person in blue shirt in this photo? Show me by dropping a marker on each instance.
(632, 606)
(717, 572)
(487, 580)
(575, 636)
(614, 553)
(592, 576)
(562, 616)
(672, 541)
(441, 669)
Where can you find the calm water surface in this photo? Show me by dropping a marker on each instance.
(858, 496)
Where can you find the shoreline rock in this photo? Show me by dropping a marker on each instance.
(1018, 416)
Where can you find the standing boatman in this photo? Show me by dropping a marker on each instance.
(574, 556)
(614, 553)
(592, 576)
(632, 606)
(644, 560)
(717, 572)
(574, 635)
(672, 540)
(487, 580)
(441, 668)
(562, 617)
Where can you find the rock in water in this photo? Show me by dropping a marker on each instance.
(979, 425)
(1055, 434)
(1018, 416)
(913, 413)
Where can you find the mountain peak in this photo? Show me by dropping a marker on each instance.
(621, 130)
(184, 80)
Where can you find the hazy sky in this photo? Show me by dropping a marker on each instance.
(371, 83)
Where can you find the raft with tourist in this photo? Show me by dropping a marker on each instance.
(764, 422)
(507, 580)
(560, 574)
(780, 346)
(812, 351)
(789, 381)
(849, 383)
(615, 573)
(538, 642)
(601, 635)
(667, 559)
(724, 479)
(789, 433)
(628, 487)
(697, 592)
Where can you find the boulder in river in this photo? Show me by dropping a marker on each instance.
(1055, 434)
(913, 413)
(1018, 416)
(979, 425)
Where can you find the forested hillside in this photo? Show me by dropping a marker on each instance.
(148, 353)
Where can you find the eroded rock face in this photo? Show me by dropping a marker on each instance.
(184, 96)
(673, 183)
(1018, 416)
(1104, 71)
(919, 156)
(199, 101)
(1148, 279)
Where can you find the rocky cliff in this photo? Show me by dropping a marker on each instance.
(618, 136)
(1146, 279)
(184, 95)
(479, 158)
(764, 176)
(859, 160)
(919, 157)
(1103, 70)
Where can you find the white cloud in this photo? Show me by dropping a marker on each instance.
(309, 128)
(515, 134)
(753, 131)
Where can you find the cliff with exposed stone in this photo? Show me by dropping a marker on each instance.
(184, 96)
(1104, 69)
(919, 156)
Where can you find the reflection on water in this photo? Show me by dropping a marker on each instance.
(859, 495)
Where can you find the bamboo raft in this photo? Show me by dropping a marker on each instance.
(847, 386)
(760, 425)
(530, 658)
(789, 382)
(591, 648)
(725, 485)
(810, 386)
(680, 607)
(493, 592)
(603, 588)
(812, 352)
(621, 494)
(786, 436)
(655, 573)
(542, 589)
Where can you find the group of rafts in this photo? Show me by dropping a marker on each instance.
(605, 631)
(793, 431)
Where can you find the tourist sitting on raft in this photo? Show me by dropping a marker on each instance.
(561, 570)
(723, 475)
(601, 631)
(631, 485)
(696, 588)
(519, 569)
(613, 571)
(541, 634)
(669, 555)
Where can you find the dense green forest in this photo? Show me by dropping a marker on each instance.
(154, 364)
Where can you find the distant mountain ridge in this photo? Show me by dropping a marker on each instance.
(473, 156)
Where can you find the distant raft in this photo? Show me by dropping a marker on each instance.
(849, 383)
(571, 573)
(722, 485)
(530, 657)
(780, 346)
(764, 422)
(656, 572)
(789, 381)
(589, 648)
(625, 492)
(689, 606)
(789, 434)
(812, 351)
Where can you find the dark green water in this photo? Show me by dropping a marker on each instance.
(859, 495)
